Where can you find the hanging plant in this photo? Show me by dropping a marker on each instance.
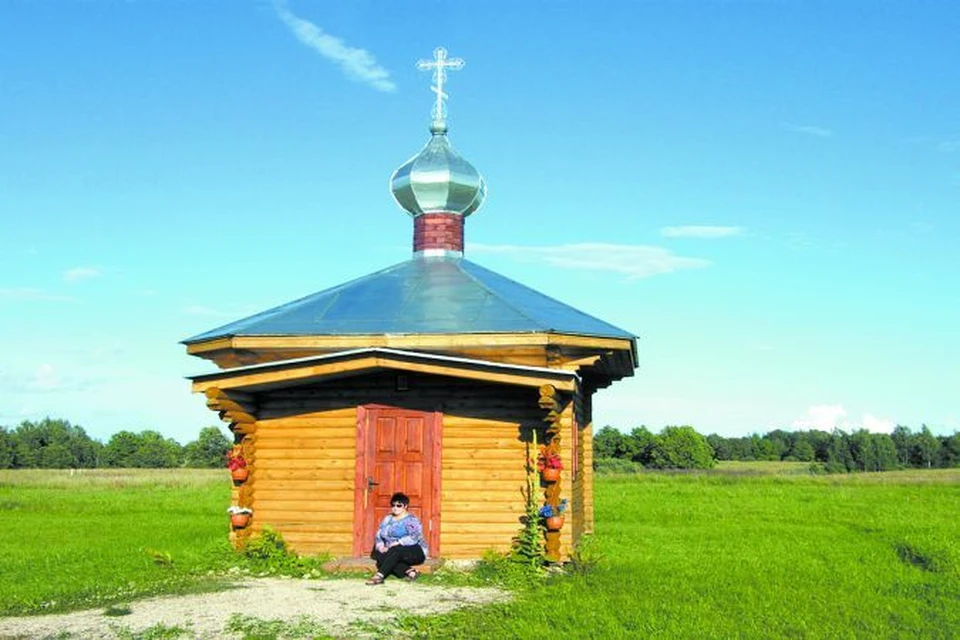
(237, 465)
(239, 516)
(549, 464)
(553, 515)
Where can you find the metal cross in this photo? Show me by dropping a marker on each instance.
(440, 64)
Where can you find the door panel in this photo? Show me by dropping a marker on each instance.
(397, 450)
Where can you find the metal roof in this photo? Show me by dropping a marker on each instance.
(425, 295)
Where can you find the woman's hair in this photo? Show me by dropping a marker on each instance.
(401, 498)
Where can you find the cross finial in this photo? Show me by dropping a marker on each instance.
(440, 64)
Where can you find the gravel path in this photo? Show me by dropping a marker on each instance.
(334, 605)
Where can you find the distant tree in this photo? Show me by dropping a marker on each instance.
(884, 452)
(6, 449)
(607, 443)
(158, 452)
(802, 450)
(839, 458)
(780, 443)
(681, 448)
(820, 441)
(949, 451)
(872, 451)
(721, 448)
(925, 448)
(211, 446)
(903, 440)
(52, 443)
(121, 450)
(642, 445)
(764, 449)
(741, 448)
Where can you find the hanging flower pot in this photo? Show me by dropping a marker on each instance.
(549, 464)
(550, 474)
(553, 515)
(239, 516)
(239, 474)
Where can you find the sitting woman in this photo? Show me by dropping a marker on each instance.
(399, 543)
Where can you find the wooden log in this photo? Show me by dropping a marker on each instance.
(243, 428)
(335, 505)
(305, 444)
(548, 390)
(236, 416)
(494, 532)
(467, 486)
(236, 396)
(286, 464)
(267, 455)
(343, 472)
(334, 491)
(226, 404)
(346, 430)
(298, 516)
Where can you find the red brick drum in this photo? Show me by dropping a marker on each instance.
(438, 231)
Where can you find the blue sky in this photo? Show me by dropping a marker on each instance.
(766, 193)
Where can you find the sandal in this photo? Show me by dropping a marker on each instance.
(376, 579)
(412, 574)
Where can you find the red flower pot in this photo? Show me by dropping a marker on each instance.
(554, 523)
(239, 475)
(239, 520)
(550, 474)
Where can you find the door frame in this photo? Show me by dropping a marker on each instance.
(431, 521)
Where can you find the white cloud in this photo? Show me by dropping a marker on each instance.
(825, 417)
(700, 231)
(32, 294)
(633, 261)
(358, 64)
(81, 273)
(807, 129)
(877, 425)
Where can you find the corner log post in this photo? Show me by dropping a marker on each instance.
(551, 402)
(239, 410)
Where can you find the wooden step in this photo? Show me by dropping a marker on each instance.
(366, 565)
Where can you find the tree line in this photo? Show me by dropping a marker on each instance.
(57, 444)
(832, 452)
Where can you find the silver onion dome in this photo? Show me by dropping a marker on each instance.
(438, 179)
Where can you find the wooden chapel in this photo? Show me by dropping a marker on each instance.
(435, 377)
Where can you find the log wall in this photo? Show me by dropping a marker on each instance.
(306, 456)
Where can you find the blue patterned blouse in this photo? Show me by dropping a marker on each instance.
(407, 531)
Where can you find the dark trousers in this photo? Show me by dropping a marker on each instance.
(397, 560)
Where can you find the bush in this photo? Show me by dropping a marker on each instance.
(267, 553)
(681, 448)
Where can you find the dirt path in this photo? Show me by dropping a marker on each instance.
(335, 605)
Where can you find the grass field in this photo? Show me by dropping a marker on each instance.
(738, 552)
(87, 538)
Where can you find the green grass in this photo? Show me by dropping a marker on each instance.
(732, 555)
(737, 552)
(106, 536)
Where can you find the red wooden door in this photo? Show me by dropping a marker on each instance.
(397, 450)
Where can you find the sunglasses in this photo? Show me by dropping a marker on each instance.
(398, 504)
